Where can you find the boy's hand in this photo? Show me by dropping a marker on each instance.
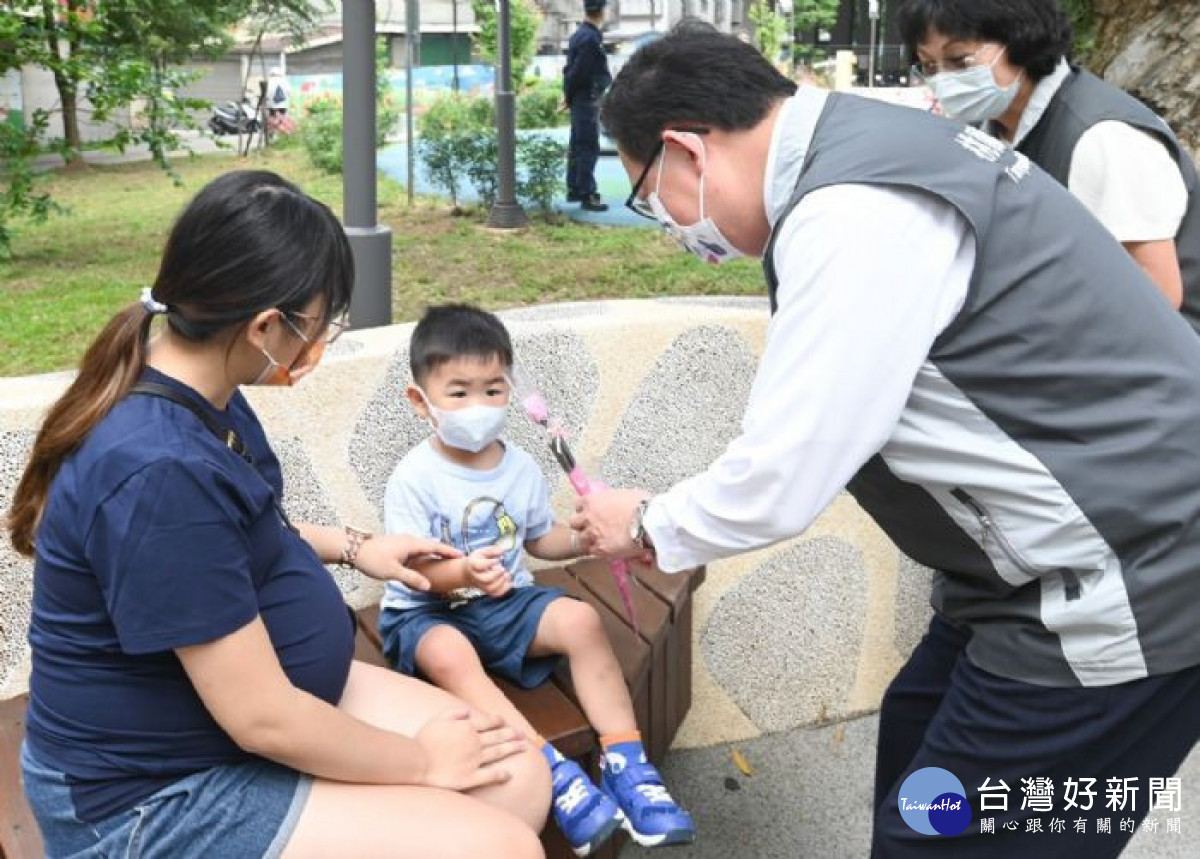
(487, 573)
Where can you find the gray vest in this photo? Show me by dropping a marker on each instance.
(1084, 100)
(1045, 462)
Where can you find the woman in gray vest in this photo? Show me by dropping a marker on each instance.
(961, 345)
(1004, 63)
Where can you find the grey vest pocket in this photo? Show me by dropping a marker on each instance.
(991, 531)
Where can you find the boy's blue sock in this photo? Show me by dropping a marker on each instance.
(627, 745)
(652, 817)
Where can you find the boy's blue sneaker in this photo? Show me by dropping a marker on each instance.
(586, 815)
(652, 817)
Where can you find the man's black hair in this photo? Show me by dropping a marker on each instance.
(449, 331)
(1037, 33)
(692, 77)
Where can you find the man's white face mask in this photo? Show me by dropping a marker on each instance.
(702, 238)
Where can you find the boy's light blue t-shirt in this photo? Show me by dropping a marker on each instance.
(427, 495)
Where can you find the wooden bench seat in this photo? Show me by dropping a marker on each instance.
(656, 662)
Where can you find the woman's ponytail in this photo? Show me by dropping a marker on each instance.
(111, 366)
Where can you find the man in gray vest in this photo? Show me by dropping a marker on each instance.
(999, 385)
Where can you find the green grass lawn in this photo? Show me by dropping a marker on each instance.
(69, 274)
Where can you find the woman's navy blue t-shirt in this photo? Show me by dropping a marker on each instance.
(156, 536)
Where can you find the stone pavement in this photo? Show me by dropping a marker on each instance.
(809, 793)
(194, 143)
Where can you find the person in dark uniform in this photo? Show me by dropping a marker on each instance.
(585, 79)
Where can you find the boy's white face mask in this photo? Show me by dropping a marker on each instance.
(702, 238)
(472, 428)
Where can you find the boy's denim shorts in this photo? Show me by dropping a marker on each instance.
(500, 629)
(233, 811)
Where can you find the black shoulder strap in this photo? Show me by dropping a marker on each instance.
(227, 437)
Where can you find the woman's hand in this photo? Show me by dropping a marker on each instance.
(385, 556)
(462, 747)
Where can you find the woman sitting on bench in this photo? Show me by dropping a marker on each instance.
(193, 689)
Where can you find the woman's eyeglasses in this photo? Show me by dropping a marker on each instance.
(923, 70)
(333, 330)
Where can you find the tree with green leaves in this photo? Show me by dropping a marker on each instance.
(809, 16)
(1083, 26)
(770, 27)
(117, 54)
(123, 52)
(61, 37)
(523, 26)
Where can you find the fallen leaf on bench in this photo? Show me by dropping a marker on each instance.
(741, 763)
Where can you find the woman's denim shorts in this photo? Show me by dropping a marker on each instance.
(228, 812)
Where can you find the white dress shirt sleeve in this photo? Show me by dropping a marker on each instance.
(868, 278)
(1129, 181)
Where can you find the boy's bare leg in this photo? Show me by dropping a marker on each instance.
(448, 659)
(574, 628)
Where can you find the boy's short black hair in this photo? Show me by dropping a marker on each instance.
(692, 76)
(1037, 33)
(449, 331)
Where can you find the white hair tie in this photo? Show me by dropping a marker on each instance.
(152, 307)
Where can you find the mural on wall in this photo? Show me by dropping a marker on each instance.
(428, 83)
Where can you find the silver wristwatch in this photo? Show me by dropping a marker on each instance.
(637, 526)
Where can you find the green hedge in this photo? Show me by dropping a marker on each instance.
(451, 159)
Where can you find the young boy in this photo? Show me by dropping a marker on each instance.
(467, 487)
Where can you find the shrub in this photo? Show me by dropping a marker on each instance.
(455, 113)
(21, 192)
(451, 157)
(479, 157)
(442, 160)
(321, 133)
(388, 111)
(537, 106)
(540, 165)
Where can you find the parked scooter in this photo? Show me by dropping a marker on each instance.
(234, 118)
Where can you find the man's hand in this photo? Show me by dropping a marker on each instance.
(603, 519)
(487, 573)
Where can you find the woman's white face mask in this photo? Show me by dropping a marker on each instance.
(702, 238)
(973, 95)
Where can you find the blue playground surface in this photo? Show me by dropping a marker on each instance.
(611, 181)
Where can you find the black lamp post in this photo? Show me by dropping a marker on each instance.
(506, 212)
(370, 243)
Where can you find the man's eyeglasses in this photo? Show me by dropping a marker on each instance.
(926, 69)
(639, 205)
